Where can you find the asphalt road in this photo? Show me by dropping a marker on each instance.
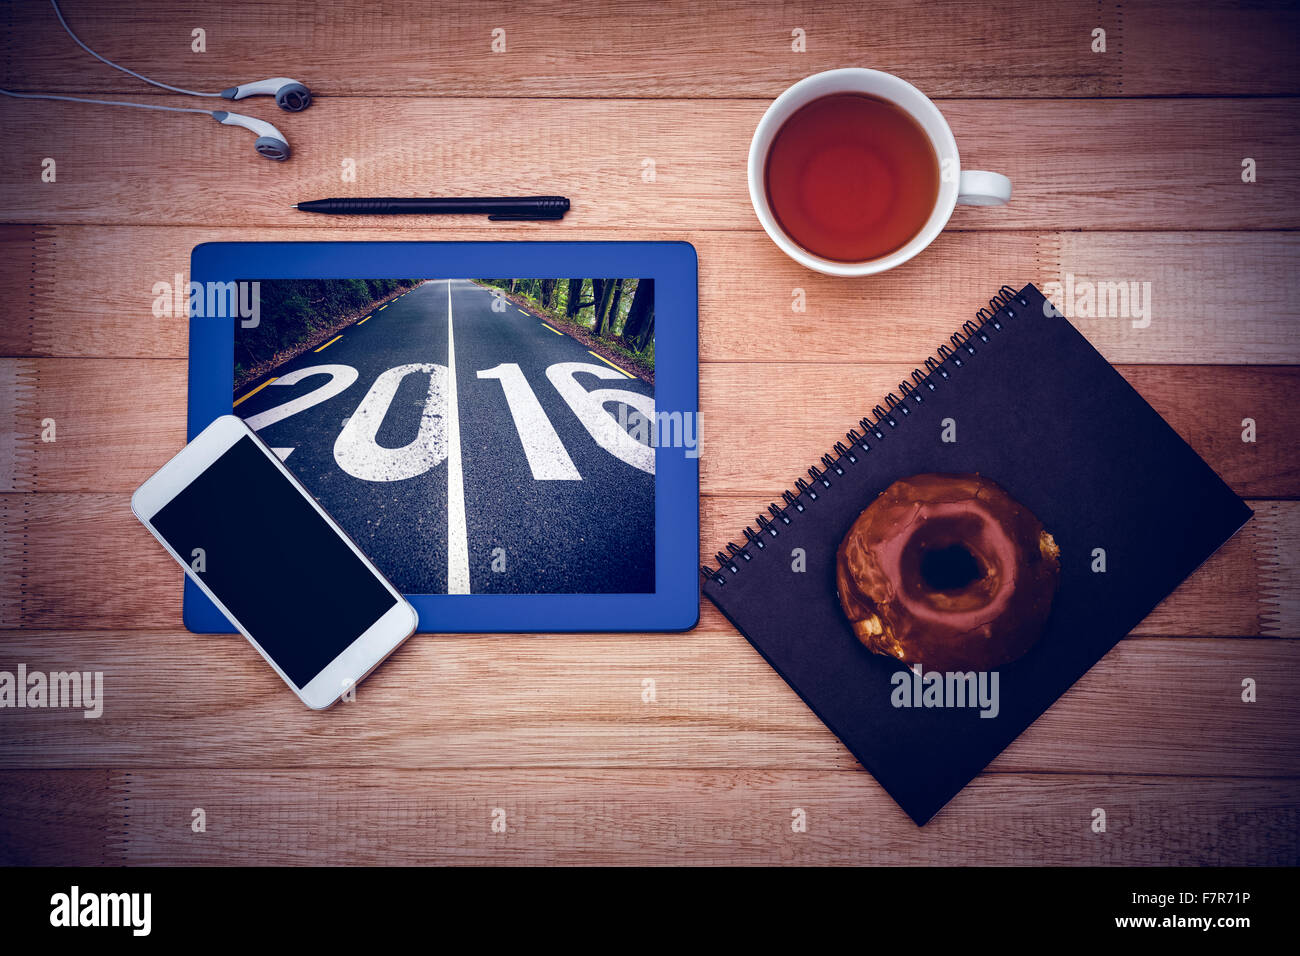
(469, 448)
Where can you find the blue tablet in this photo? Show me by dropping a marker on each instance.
(517, 449)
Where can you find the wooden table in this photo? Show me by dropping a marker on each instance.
(1127, 166)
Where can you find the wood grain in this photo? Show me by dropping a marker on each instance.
(83, 561)
(644, 49)
(60, 818)
(118, 420)
(177, 700)
(1127, 168)
(621, 817)
(1076, 164)
(1231, 297)
(678, 817)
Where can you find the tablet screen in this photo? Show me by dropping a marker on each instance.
(484, 436)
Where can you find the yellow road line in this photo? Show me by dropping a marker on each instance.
(247, 395)
(520, 311)
(329, 343)
(366, 319)
(382, 307)
(609, 363)
(556, 331)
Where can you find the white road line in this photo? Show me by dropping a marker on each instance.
(457, 541)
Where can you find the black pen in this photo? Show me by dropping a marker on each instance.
(495, 208)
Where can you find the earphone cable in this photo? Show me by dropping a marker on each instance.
(82, 99)
(103, 59)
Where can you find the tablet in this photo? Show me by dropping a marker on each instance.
(516, 449)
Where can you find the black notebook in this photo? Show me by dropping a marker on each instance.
(1034, 407)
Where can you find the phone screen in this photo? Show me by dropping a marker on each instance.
(284, 573)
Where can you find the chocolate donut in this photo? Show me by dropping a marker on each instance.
(948, 571)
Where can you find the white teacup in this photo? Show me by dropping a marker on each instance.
(969, 187)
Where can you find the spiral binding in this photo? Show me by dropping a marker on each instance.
(877, 424)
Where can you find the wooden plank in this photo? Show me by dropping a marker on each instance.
(643, 49)
(1249, 587)
(63, 560)
(60, 818)
(1168, 49)
(104, 415)
(622, 817)
(1230, 297)
(17, 394)
(117, 420)
(1279, 542)
(1076, 164)
(174, 699)
(83, 561)
(1226, 298)
(27, 260)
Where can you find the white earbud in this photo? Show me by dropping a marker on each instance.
(290, 95)
(270, 141)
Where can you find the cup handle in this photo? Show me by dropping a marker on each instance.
(978, 188)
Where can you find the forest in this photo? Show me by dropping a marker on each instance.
(294, 311)
(620, 312)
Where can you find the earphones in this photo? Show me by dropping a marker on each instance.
(270, 141)
(290, 95)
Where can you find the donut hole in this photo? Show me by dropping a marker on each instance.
(946, 564)
(949, 569)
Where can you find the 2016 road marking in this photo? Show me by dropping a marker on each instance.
(248, 395)
(457, 538)
(609, 363)
(358, 453)
(542, 445)
(341, 376)
(547, 456)
(328, 344)
(556, 331)
(600, 424)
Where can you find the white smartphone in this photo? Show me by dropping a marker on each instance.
(284, 573)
